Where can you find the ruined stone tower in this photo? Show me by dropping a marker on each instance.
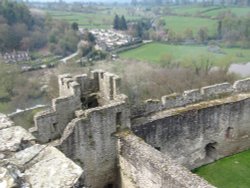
(92, 123)
(82, 124)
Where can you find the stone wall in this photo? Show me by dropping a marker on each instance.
(174, 100)
(199, 133)
(141, 166)
(195, 128)
(89, 141)
(23, 163)
(73, 92)
(82, 122)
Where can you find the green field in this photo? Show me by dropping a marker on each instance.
(236, 10)
(89, 20)
(191, 10)
(156, 52)
(100, 19)
(180, 23)
(230, 172)
(211, 11)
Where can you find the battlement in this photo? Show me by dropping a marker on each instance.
(107, 84)
(206, 93)
(195, 127)
(76, 93)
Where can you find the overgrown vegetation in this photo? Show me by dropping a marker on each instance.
(26, 119)
(192, 63)
(19, 90)
(153, 81)
(22, 30)
(234, 30)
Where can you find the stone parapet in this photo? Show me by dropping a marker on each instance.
(175, 100)
(142, 166)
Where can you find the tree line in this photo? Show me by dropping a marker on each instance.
(234, 31)
(120, 23)
(186, 2)
(22, 30)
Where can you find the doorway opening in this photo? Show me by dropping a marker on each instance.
(210, 150)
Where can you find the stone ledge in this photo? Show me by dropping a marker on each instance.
(26, 164)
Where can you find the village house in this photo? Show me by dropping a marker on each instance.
(109, 40)
(15, 56)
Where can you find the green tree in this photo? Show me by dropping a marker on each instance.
(74, 26)
(219, 29)
(123, 23)
(116, 24)
(202, 35)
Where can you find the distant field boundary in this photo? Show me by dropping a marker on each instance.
(127, 48)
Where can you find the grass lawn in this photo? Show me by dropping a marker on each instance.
(180, 23)
(155, 52)
(230, 172)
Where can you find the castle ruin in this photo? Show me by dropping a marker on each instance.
(121, 145)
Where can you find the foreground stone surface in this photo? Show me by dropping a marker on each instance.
(23, 163)
(141, 166)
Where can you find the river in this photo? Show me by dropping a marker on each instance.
(241, 69)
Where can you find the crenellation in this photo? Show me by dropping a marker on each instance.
(63, 86)
(173, 100)
(75, 88)
(97, 74)
(106, 86)
(152, 105)
(192, 96)
(88, 109)
(117, 85)
(217, 90)
(91, 110)
(83, 81)
(242, 85)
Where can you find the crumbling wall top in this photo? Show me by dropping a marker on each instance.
(156, 170)
(23, 163)
(206, 93)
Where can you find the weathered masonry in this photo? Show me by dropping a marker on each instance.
(82, 124)
(93, 124)
(24, 163)
(199, 126)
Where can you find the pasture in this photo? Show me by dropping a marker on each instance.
(101, 19)
(159, 53)
(179, 24)
(229, 172)
(211, 11)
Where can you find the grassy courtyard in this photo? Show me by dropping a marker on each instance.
(157, 53)
(230, 172)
